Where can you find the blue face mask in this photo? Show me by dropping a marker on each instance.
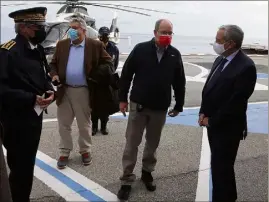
(73, 34)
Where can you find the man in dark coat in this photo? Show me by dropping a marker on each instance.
(24, 93)
(102, 114)
(223, 110)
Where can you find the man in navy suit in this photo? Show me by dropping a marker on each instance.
(223, 109)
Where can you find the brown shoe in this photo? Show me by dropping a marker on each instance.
(86, 159)
(62, 162)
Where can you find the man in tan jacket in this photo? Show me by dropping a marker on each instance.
(72, 65)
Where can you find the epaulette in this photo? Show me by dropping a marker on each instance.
(8, 45)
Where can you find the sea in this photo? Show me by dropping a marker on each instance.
(185, 44)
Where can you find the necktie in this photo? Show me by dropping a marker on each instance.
(217, 72)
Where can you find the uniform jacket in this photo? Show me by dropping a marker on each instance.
(97, 65)
(225, 101)
(22, 77)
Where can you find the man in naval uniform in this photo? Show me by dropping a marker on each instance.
(24, 88)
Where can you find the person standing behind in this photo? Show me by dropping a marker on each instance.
(157, 66)
(113, 51)
(23, 82)
(223, 109)
(72, 64)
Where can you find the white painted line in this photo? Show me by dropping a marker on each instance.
(189, 78)
(255, 103)
(202, 192)
(50, 120)
(80, 179)
(203, 73)
(56, 185)
(259, 86)
(120, 64)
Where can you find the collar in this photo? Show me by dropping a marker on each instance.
(230, 57)
(157, 47)
(161, 49)
(32, 46)
(23, 42)
(81, 44)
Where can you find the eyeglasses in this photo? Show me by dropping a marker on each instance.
(166, 33)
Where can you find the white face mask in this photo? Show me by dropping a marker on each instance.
(218, 48)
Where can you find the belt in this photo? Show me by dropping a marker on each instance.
(76, 86)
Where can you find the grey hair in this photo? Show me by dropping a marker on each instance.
(78, 18)
(158, 23)
(234, 33)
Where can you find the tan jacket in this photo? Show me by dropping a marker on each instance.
(94, 57)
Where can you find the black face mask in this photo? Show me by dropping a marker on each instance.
(40, 36)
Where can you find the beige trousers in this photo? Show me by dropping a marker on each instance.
(75, 103)
(151, 120)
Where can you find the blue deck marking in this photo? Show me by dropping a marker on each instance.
(262, 76)
(82, 191)
(210, 185)
(257, 118)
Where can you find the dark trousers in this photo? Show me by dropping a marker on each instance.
(5, 194)
(224, 147)
(21, 140)
(95, 118)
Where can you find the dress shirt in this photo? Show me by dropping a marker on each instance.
(230, 58)
(75, 75)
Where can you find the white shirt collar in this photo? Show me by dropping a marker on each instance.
(32, 46)
(230, 57)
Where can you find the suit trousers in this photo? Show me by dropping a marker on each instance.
(151, 120)
(5, 194)
(75, 103)
(224, 149)
(21, 141)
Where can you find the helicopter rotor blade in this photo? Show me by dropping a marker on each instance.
(43, 2)
(146, 9)
(14, 4)
(122, 9)
(52, 2)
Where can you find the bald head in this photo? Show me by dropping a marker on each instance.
(163, 27)
(162, 22)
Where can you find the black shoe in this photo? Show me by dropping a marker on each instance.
(124, 192)
(104, 131)
(94, 131)
(147, 179)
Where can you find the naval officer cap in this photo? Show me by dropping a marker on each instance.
(34, 15)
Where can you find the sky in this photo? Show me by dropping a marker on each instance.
(192, 18)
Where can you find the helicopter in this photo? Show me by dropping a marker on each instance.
(58, 29)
